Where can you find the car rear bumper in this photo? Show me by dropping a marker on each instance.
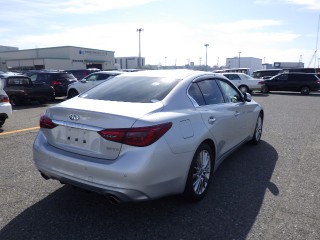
(6, 110)
(139, 177)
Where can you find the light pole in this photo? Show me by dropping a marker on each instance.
(206, 45)
(139, 59)
(239, 59)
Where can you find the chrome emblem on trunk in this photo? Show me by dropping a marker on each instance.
(74, 117)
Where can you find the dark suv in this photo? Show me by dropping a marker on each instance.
(294, 82)
(59, 80)
(82, 73)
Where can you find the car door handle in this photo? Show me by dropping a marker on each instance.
(236, 114)
(211, 120)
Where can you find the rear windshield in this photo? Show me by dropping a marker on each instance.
(133, 89)
(66, 76)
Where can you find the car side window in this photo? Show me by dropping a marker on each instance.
(33, 77)
(103, 76)
(42, 78)
(92, 78)
(196, 94)
(233, 77)
(211, 92)
(229, 92)
(283, 77)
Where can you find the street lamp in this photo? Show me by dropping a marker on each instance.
(139, 59)
(206, 45)
(239, 59)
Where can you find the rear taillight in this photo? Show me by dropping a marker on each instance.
(262, 82)
(318, 81)
(139, 137)
(56, 82)
(46, 122)
(4, 99)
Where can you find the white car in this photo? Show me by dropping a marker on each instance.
(245, 82)
(90, 81)
(148, 134)
(5, 106)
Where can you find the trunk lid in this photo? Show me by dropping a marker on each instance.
(79, 120)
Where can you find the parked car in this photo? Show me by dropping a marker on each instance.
(244, 82)
(294, 82)
(265, 73)
(5, 106)
(90, 81)
(59, 80)
(148, 134)
(20, 89)
(82, 73)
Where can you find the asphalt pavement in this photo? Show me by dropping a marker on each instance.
(268, 191)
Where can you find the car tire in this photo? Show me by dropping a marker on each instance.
(72, 93)
(199, 174)
(42, 101)
(14, 100)
(244, 89)
(2, 121)
(305, 90)
(264, 89)
(257, 130)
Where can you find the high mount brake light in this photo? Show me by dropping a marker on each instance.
(139, 137)
(46, 122)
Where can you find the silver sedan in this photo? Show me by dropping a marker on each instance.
(148, 134)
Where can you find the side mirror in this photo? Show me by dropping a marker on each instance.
(247, 97)
(83, 80)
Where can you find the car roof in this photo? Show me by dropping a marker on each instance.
(171, 73)
(112, 72)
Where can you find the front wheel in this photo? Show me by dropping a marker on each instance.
(257, 131)
(72, 93)
(305, 90)
(264, 89)
(199, 173)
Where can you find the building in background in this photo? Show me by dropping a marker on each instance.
(57, 58)
(129, 62)
(288, 65)
(244, 62)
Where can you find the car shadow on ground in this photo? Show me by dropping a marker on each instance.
(228, 211)
(312, 94)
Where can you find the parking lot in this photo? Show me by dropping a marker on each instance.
(270, 191)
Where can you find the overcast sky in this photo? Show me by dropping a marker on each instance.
(175, 31)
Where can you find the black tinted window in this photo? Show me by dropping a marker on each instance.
(133, 89)
(211, 92)
(195, 93)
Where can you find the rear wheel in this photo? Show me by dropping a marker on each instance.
(305, 90)
(2, 120)
(199, 173)
(72, 93)
(264, 89)
(14, 100)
